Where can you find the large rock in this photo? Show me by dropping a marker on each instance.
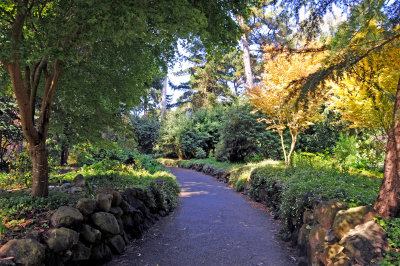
(66, 216)
(101, 253)
(90, 234)
(117, 244)
(302, 238)
(117, 198)
(24, 251)
(137, 198)
(61, 239)
(79, 181)
(86, 206)
(106, 222)
(308, 217)
(346, 220)
(104, 201)
(316, 240)
(365, 242)
(116, 211)
(325, 212)
(80, 252)
(331, 252)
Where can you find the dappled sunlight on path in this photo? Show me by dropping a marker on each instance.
(213, 225)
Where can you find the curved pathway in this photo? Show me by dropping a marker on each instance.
(213, 225)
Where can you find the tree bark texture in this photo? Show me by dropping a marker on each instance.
(388, 201)
(64, 155)
(246, 56)
(25, 83)
(40, 169)
(164, 97)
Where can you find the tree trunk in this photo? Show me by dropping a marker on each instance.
(164, 98)
(387, 203)
(64, 154)
(292, 146)
(246, 56)
(40, 169)
(283, 148)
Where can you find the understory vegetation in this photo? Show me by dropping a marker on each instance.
(102, 169)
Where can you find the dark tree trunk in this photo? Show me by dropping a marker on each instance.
(40, 169)
(64, 154)
(388, 201)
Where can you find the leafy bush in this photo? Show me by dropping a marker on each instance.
(243, 136)
(146, 131)
(323, 135)
(310, 179)
(346, 149)
(392, 228)
(190, 135)
(15, 205)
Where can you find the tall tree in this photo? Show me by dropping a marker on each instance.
(346, 52)
(40, 38)
(246, 55)
(284, 108)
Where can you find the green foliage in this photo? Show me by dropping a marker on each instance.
(392, 228)
(146, 132)
(321, 136)
(243, 136)
(15, 205)
(3, 228)
(346, 149)
(190, 135)
(10, 131)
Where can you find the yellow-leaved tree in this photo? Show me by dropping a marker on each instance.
(280, 100)
(365, 96)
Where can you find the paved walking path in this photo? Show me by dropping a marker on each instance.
(213, 225)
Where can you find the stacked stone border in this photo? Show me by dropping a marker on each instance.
(93, 230)
(329, 233)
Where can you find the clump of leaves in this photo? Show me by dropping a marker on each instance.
(392, 228)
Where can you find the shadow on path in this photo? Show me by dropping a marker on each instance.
(213, 225)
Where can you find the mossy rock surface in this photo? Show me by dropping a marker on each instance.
(24, 251)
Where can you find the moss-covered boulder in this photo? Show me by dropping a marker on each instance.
(330, 252)
(106, 222)
(86, 206)
(316, 240)
(345, 220)
(101, 253)
(302, 238)
(117, 244)
(24, 251)
(66, 216)
(61, 239)
(78, 181)
(103, 201)
(80, 252)
(116, 196)
(90, 234)
(365, 242)
(325, 212)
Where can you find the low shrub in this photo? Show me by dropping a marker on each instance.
(16, 205)
(392, 228)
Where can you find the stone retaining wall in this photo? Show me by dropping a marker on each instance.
(329, 233)
(92, 231)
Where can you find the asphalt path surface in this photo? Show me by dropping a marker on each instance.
(213, 225)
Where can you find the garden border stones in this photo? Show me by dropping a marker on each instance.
(93, 230)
